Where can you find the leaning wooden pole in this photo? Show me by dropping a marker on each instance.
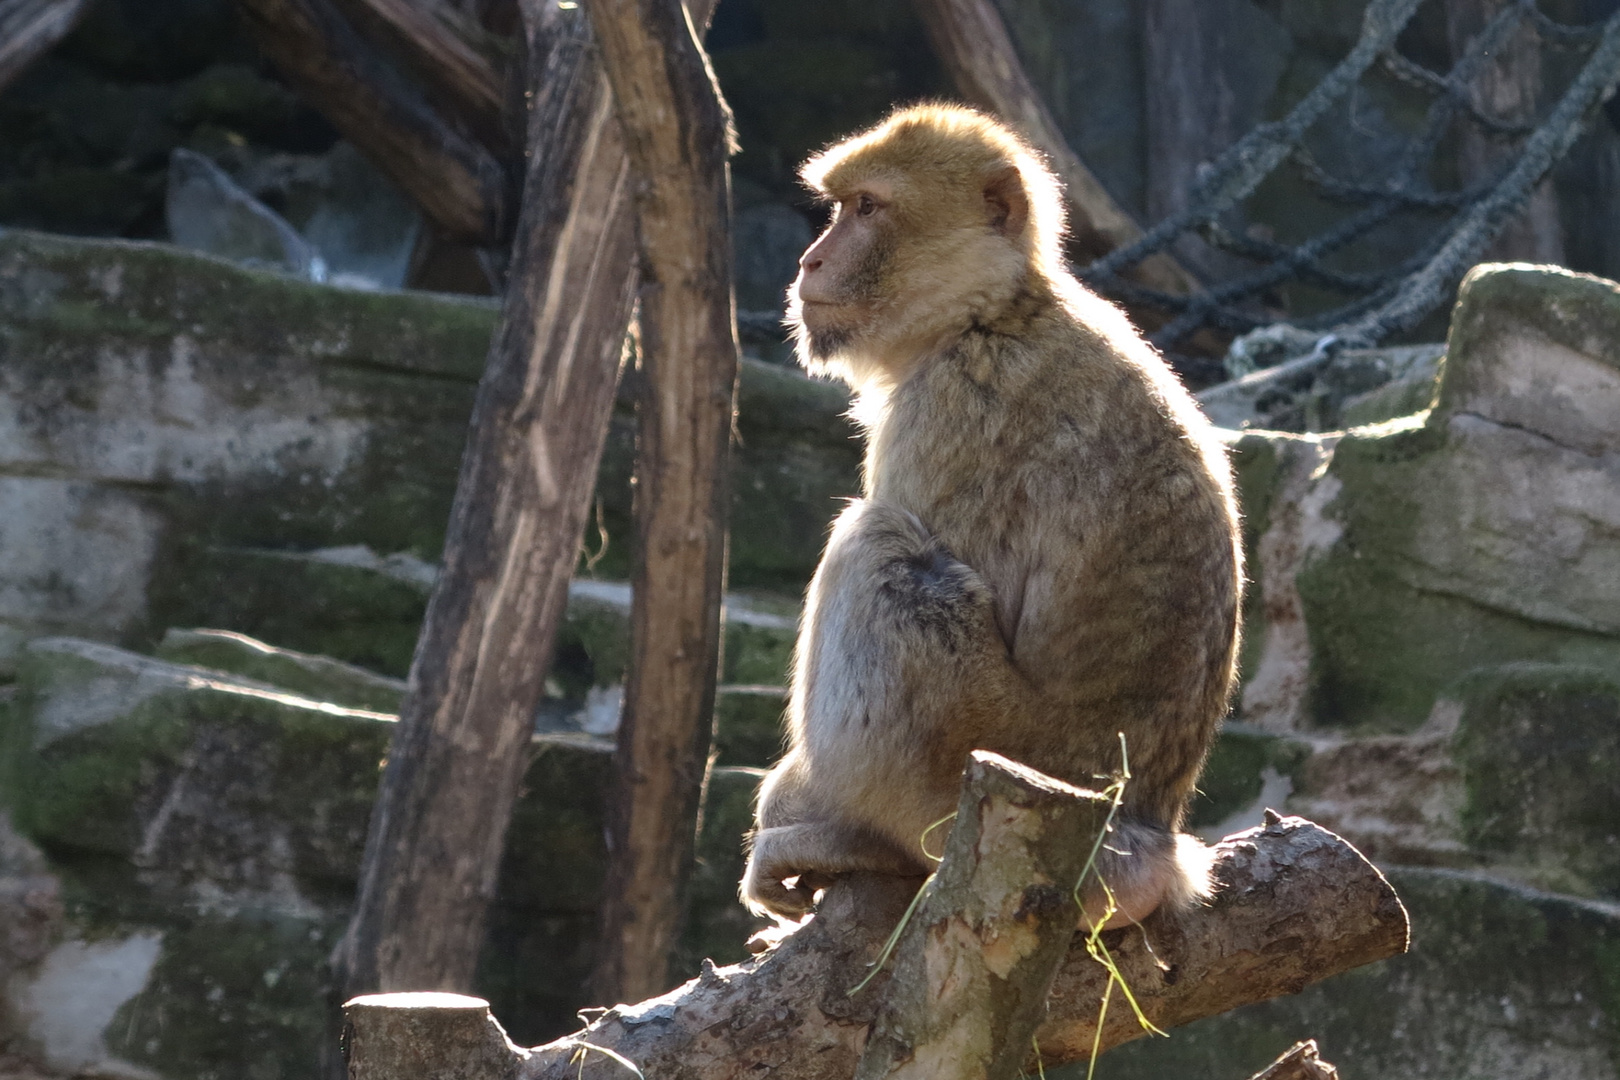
(527, 475)
(677, 131)
(31, 28)
(973, 45)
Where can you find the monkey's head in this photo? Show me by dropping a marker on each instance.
(941, 216)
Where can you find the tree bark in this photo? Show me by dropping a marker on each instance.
(976, 961)
(1508, 89)
(447, 50)
(456, 182)
(527, 475)
(1294, 904)
(1299, 1062)
(31, 28)
(677, 131)
(972, 42)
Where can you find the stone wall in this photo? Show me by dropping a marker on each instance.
(221, 503)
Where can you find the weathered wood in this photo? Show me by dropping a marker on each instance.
(1295, 904)
(1299, 1062)
(31, 28)
(677, 132)
(447, 50)
(527, 475)
(426, 1037)
(976, 961)
(972, 42)
(457, 183)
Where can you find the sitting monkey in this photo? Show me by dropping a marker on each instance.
(1046, 553)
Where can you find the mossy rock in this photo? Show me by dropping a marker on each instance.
(1539, 749)
(185, 430)
(318, 677)
(227, 818)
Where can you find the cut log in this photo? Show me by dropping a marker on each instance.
(972, 42)
(447, 50)
(455, 181)
(677, 131)
(425, 1037)
(31, 28)
(527, 475)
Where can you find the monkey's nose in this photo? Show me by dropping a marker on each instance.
(808, 263)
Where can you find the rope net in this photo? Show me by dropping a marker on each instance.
(1439, 231)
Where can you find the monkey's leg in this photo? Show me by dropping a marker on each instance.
(811, 854)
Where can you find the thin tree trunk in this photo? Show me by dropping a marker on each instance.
(1508, 89)
(677, 131)
(455, 181)
(972, 42)
(31, 28)
(527, 474)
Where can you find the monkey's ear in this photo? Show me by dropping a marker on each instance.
(1008, 203)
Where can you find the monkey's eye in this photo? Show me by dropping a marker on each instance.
(865, 206)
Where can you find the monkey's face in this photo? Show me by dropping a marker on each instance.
(840, 287)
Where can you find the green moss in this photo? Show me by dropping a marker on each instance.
(1232, 776)
(717, 925)
(541, 936)
(748, 728)
(317, 677)
(1383, 649)
(351, 614)
(1539, 749)
(1579, 311)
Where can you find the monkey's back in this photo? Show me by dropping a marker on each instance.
(1055, 453)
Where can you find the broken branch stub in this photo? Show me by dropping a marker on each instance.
(1299, 1062)
(977, 958)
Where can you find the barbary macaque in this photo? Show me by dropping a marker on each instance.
(1046, 551)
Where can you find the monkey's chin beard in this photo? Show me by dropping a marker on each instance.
(825, 340)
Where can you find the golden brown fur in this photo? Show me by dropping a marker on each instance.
(1046, 554)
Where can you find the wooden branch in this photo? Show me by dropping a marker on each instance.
(527, 475)
(976, 961)
(444, 48)
(972, 42)
(31, 28)
(1295, 904)
(677, 131)
(1299, 1062)
(456, 182)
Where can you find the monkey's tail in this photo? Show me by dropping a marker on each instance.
(1146, 867)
